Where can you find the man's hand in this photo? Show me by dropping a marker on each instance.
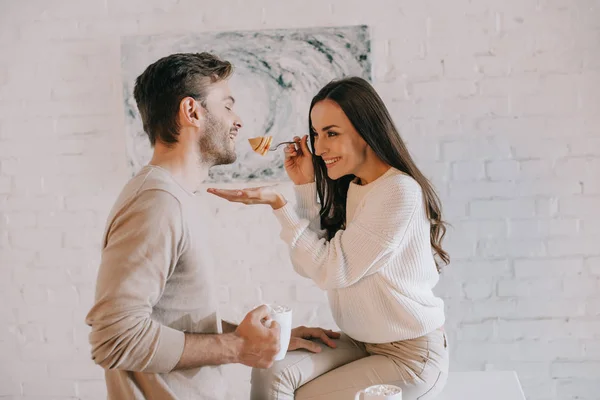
(259, 195)
(259, 344)
(301, 335)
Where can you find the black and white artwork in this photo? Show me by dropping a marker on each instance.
(277, 73)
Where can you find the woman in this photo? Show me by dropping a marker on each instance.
(371, 244)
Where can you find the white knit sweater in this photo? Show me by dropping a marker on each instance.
(379, 272)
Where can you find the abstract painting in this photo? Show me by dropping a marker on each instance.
(277, 72)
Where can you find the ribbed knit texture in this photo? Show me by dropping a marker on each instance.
(379, 272)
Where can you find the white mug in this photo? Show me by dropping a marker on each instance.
(283, 316)
(380, 392)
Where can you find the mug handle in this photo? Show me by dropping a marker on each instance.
(357, 395)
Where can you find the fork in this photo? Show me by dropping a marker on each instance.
(273, 148)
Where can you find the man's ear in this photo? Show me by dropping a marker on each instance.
(191, 112)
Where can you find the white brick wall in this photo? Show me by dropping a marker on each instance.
(498, 100)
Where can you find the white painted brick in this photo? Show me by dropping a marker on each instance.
(502, 208)
(5, 184)
(453, 208)
(29, 185)
(535, 169)
(84, 125)
(65, 219)
(449, 287)
(592, 264)
(280, 293)
(492, 148)
(538, 350)
(84, 238)
(540, 148)
(23, 219)
(590, 185)
(532, 228)
(422, 150)
(579, 206)
(68, 371)
(438, 174)
(580, 287)
(20, 257)
(592, 308)
(47, 352)
(28, 166)
(443, 89)
(574, 246)
(468, 170)
(62, 295)
(531, 268)
(514, 330)
(80, 89)
(246, 296)
(309, 292)
(546, 207)
(17, 371)
(591, 348)
(577, 388)
(519, 85)
(85, 202)
(588, 227)
(484, 309)
(9, 387)
(480, 189)
(35, 239)
(478, 290)
(529, 288)
(65, 259)
(526, 350)
(477, 229)
(49, 29)
(92, 390)
(586, 370)
(477, 332)
(551, 308)
(584, 329)
(34, 295)
(48, 388)
(507, 126)
(588, 98)
(31, 203)
(35, 275)
(505, 170)
(460, 248)
(547, 187)
(4, 240)
(589, 147)
(577, 166)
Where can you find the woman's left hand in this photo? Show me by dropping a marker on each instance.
(259, 195)
(303, 338)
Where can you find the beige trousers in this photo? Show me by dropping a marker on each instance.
(419, 366)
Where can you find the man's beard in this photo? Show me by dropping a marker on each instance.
(215, 147)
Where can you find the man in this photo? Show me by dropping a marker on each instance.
(154, 324)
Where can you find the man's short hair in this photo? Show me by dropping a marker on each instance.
(161, 87)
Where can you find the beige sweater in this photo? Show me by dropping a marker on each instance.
(154, 283)
(379, 272)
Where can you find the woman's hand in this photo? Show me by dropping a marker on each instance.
(303, 338)
(298, 162)
(259, 195)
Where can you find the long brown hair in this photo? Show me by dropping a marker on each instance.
(370, 117)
